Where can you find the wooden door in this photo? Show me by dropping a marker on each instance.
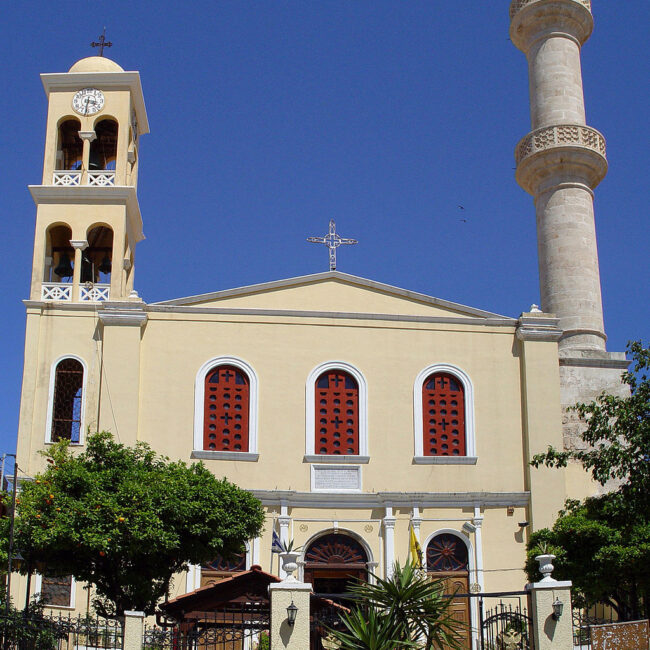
(458, 582)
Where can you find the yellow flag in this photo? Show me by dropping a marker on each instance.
(416, 551)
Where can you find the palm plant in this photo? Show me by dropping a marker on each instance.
(407, 610)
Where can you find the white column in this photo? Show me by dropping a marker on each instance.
(478, 550)
(389, 542)
(284, 521)
(255, 550)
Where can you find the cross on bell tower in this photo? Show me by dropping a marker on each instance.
(332, 240)
(102, 43)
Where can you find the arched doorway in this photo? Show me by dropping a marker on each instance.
(448, 560)
(332, 562)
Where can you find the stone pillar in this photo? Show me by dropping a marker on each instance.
(133, 630)
(549, 633)
(282, 595)
(79, 246)
(389, 542)
(121, 334)
(560, 163)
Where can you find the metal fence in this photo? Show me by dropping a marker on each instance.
(582, 620)
(36, 631)
(236, 628)
(506, 625)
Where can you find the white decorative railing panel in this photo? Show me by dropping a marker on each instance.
(103, 178)
(560, 135)
(59, 291)
(66, 177)
(95, 292)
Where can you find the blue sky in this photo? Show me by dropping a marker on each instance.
(269, 118)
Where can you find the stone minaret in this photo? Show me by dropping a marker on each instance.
(560, 162)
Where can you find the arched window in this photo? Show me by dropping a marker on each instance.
(336, 409)
(447, 552)
(218, 569)
(96, 260)
(103, 150)
(226, 409)
(443, 412)
(336, 401)
(69, 151)
(333, 562)
(67, 401)
(443, 415)
(59, 254)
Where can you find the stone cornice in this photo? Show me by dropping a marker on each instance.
(123, 313)
(295, 499)
(293, 313)
(83, 194)
(538, 327)
(535, 20)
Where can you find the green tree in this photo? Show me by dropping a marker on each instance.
(407, 610)
(126, 520)
(603, 543)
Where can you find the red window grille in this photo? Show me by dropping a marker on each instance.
(443, 416)
(226, 407)
(336, 406)
(66, 411)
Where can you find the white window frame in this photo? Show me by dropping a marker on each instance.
(38, 586)
(193, 575)
(470, 457)
(50, 399)
(199, 406)
(310, 413)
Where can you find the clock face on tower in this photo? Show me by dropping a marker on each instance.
(88, 101)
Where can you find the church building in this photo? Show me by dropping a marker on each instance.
(356, 411)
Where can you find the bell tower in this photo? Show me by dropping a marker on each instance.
(88, 220)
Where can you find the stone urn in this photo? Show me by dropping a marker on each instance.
(289, 564)
(546, 566)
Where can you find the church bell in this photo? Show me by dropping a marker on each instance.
(64, 267)
(105, 266)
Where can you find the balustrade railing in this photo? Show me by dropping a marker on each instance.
(520, 4)
(560, 135)
(94, 178)
(94, 292)
(56, 291)
(103, 178)
(67, 177)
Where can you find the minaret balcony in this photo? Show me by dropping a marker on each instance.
(62, 292)
(77, 177)
(517, 5)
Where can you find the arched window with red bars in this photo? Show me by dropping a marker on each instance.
(336, 402)
(443, 415)
(226, 409)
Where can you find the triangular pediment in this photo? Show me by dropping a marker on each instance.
(330, 292)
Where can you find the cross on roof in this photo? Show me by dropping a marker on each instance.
(332, 240)
(102, 43)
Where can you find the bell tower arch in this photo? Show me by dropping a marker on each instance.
(88, 220)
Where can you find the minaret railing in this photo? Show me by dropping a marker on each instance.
(520, 4)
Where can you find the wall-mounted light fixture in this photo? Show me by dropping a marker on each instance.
(558, 608)
(524, 524)
(292, 610)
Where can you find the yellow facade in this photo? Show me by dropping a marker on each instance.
(144, 366)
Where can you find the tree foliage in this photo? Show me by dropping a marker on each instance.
(407, 610)
(126, 520)
(603, 543)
